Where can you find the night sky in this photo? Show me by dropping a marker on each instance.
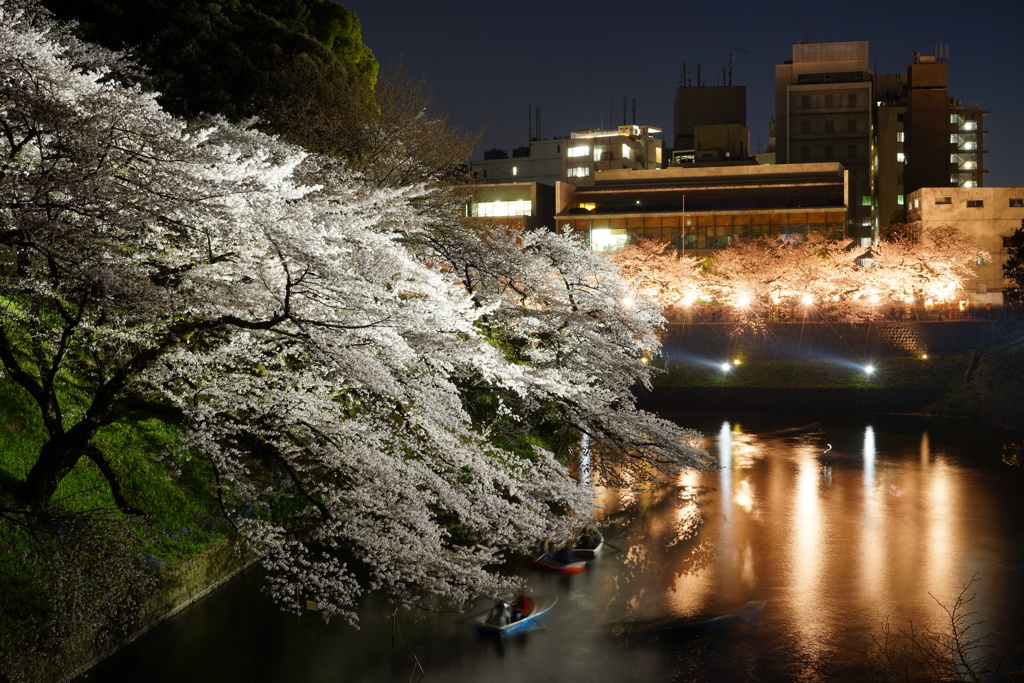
(488, 62)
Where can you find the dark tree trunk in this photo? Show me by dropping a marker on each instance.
(57, 457)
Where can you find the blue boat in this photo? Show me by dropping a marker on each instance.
(534, 610)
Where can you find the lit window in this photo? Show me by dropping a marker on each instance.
(968, 183)
(865, 200)
(899, 157)
(625, 151)
(579, 172)
(975, 203)
(521, 207)
(515, 170)
(899, 199)
(1017, 202)
(580, 151)
(981, 260)
(953, 138)
(599, 153)
(899, 136)
(607, 239)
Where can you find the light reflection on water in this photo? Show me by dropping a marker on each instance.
(832, 545)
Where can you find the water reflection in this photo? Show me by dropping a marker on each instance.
(833, 547)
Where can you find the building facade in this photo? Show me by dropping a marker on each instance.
(895, 133)
(701, 209)
(988, 215)
(575, 159)
(523, 206)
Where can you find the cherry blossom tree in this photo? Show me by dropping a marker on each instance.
(659, 272)
(924, 264)
(322, 340)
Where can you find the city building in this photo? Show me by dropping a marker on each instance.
(823, 112)
(705, 116)
(575, 159)
(895, 133)
(988, 215)
(524, 206)
(705, 208)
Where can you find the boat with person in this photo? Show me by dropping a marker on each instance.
(524, 614)
(562, 561)
(589, 544)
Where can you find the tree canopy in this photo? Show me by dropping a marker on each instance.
(226, 56)
(361, 376)
(1013, 269)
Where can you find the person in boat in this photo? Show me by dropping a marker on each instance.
(501, 615)
(588, 541)
(518, 608)
(564, 554)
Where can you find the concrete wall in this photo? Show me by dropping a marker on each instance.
(717, 341)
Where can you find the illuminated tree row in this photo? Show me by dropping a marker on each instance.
(763, 278)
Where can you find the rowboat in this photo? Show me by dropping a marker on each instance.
(588, 547)
(534, 610)
(692, 624)
(548, 562)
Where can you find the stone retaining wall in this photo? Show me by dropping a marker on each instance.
(181, 585)
(809, 340)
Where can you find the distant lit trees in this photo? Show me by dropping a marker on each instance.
(765, 278)
(660, 272)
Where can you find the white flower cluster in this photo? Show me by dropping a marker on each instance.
(323, 343)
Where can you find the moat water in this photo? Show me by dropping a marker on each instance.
(888, 526)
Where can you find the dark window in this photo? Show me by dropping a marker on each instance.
(1016, 202)
(943, 200)
(899, 117)
(851, 100)
(805, 102)
(805, 153)
(975, 203)
(829, 127)
(1006, 241)
(829, 152)
(805, 127)
(828, 101)
(851, 151)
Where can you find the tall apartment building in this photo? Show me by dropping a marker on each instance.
(823, 112)
(895, 133)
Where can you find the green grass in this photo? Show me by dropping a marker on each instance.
(173, 487)
(890, 372)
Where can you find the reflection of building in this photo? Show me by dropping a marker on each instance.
(988, 215)
(575, 159)
(526, 206)
(707, 207)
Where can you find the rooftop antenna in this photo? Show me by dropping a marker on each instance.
(625, 101)
(634, 111)
(698, 75)
(537, 114)
(723, 75)
(529, 122)
(731, 57)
